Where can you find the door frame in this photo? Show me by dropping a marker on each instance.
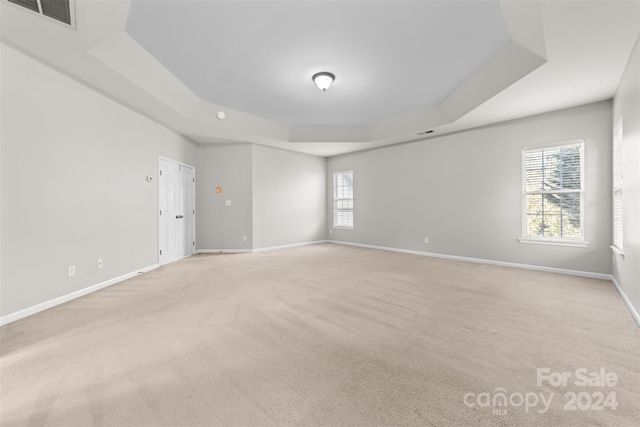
(193, 195)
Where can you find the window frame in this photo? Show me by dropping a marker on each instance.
(335, 199)
(556, 241)
(617, 186)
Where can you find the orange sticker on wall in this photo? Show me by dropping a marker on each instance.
(218, 189)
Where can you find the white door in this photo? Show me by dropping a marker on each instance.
(176, 211)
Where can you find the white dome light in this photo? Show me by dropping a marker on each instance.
(323, 80)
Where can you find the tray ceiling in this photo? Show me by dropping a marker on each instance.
(402, 68)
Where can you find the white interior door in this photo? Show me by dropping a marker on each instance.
(176, 210)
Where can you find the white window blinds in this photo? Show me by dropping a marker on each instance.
(553, 188)
(618, 184)
(343, 199)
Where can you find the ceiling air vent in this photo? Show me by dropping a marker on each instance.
(60, 10)
(424, 132)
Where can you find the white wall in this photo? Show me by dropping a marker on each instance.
(219, 226)
(288, 197)
(626, 104)
(463, 191)
(73, 184)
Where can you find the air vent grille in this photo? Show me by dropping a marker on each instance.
(60, 10)
(57, 9)
(29, 4)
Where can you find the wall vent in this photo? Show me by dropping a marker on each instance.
(60, 10)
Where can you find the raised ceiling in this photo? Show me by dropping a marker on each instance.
(181, 62)
(390, 58)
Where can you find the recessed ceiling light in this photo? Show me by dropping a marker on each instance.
(220, 115)
(323, 80)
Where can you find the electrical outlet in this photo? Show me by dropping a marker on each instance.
(227, 202)
(426, 240)
(72, 270)
(244, 238)
(100, 263)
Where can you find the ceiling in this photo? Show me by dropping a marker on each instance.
(390, 58)
(402, 67)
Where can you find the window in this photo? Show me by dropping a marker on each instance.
(618, 177)
(343, 199)
(553, 186)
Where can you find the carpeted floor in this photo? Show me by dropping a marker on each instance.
(325, 335)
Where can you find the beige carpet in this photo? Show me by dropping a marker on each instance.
(322, 335)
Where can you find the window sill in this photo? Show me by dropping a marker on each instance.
(616, 250)
(570, 243)
(342, 228)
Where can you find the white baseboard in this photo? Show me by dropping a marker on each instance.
(294, 245)
(627, 302)
(265, 249)
(73, 295)
(77, 294)
(588, 274)
(224, 251)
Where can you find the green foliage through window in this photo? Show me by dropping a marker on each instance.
(553, 191)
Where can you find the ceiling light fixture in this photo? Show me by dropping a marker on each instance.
(323, 80)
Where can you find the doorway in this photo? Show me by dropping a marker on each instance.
(176, 199)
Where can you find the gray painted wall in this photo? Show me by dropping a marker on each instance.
(463, 191)
(277, 197)
(288, 197)
(73, 184)
(626, 104)
(219, 226)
